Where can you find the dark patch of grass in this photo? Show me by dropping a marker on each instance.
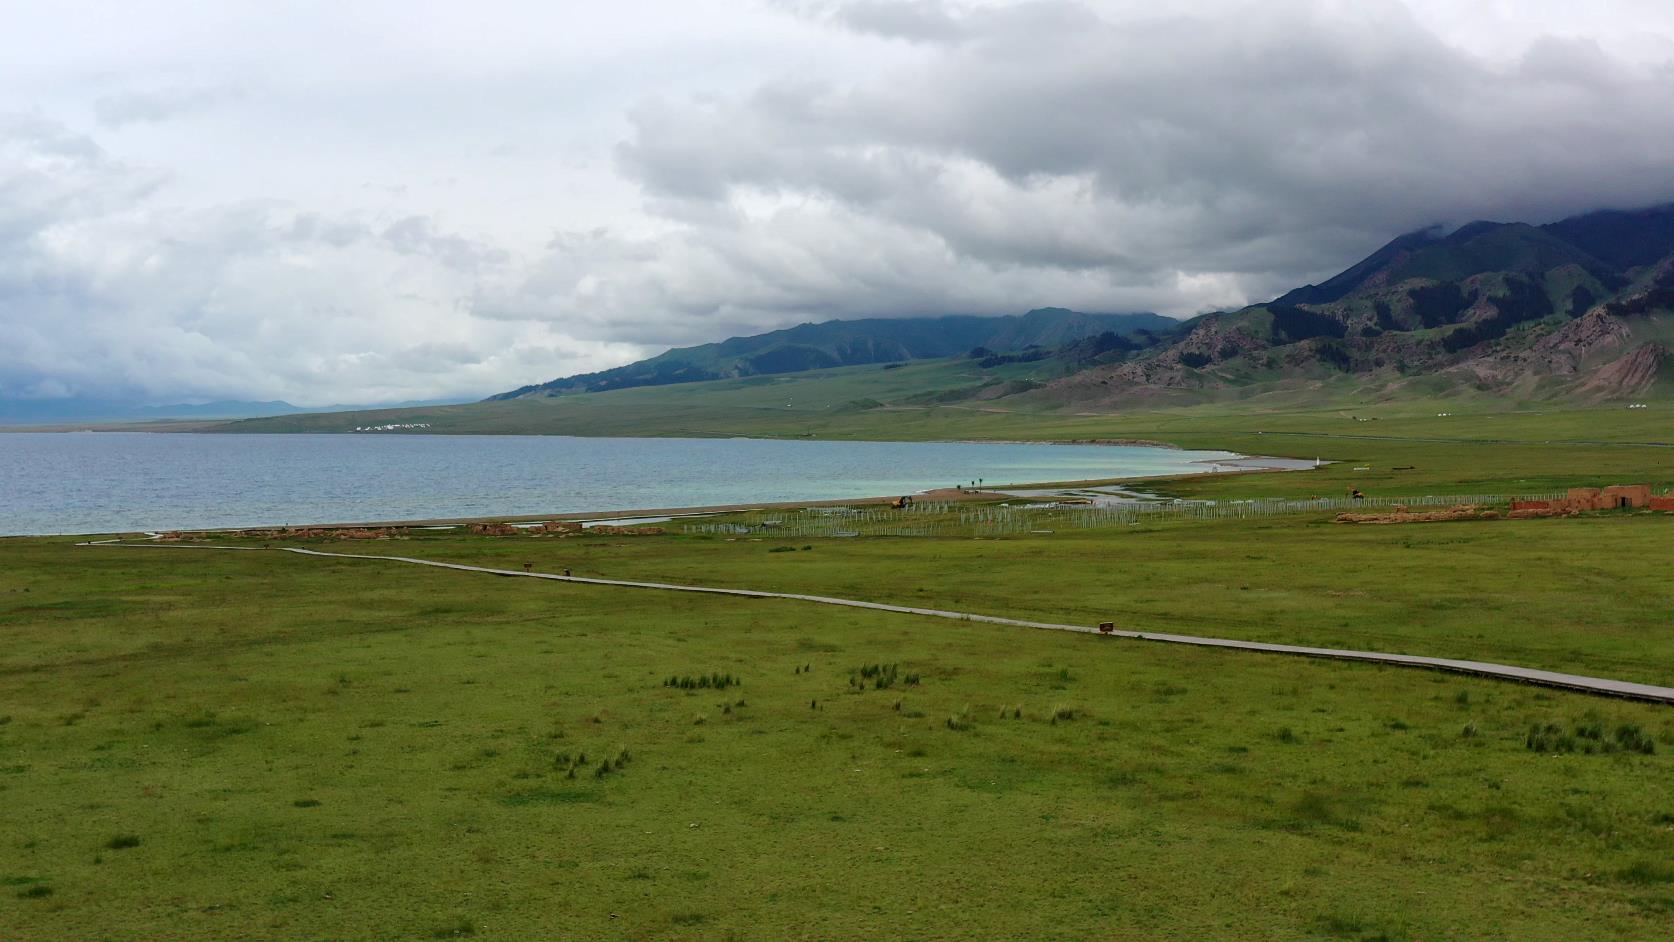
(1357, 928)
(1285, 734)
(306, 803)
(123, 842)
(460, 928)
(551, 796)
(1314, 808)
(38, 891)
(1499, 820)
(689, 919)
(1644, 872)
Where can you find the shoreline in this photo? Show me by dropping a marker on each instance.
(989, 492)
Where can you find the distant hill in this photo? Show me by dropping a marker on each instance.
(60, 411)
(851, 343)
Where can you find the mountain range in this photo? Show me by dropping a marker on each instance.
(93, 410)
(1578, 309)
(1581, 309)
(852, 343)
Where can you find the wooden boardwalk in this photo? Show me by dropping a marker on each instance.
(1582, 684)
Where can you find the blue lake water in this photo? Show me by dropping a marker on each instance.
(106, 482)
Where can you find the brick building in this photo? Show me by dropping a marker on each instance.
(1614, 497)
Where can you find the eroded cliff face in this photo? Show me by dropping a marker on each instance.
(1629, 375)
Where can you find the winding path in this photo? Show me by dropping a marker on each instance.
(1592, 685)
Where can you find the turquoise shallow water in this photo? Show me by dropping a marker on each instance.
(102, 482)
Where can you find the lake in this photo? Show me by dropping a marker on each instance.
(105, 482)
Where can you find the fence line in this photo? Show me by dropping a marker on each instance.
(941, 518)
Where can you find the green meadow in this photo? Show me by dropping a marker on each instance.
(203, 744)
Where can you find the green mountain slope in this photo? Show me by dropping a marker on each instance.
(850, 343)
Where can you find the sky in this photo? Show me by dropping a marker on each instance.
(382, 201)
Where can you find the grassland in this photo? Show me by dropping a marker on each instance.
(255, 745)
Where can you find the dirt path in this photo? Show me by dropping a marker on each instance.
(1575, 682)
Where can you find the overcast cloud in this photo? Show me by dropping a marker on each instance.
(380, 201)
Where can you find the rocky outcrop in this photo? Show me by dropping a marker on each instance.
(1628, 375)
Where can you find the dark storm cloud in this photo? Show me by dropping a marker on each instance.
(1259, 145)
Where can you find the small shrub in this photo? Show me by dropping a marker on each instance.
(1469, 732)
(1062, 713)
(1463, 698)
(1633, 739)
(711, 681)
(882, 676)
(1286, 735)
(782, 549)
(1588, 737)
